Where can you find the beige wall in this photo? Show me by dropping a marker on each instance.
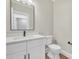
(43, 18)
(62, 23)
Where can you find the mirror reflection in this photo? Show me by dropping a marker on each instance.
(22, 15)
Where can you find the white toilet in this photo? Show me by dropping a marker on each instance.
(53, 49)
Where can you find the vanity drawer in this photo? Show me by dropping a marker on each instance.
(16, 47)
(34, 43)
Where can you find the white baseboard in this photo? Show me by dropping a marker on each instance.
(66, 54)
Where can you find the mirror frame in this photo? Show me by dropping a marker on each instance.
(22, 29)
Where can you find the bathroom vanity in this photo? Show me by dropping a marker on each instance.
(26, 48)
(22, 19)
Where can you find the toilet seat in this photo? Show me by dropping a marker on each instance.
(54, 46)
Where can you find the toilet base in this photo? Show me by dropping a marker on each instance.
(53, 56)
(56, 56)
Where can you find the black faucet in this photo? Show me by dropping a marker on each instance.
(24, 33)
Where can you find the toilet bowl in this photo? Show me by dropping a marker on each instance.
(54, 51)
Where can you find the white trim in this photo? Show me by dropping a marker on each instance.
(66, 54)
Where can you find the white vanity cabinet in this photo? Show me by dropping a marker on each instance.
(17, 55)
(29, 49)
(36, 49)
(36, 53)
(16, 50)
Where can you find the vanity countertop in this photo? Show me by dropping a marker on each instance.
(20, 38)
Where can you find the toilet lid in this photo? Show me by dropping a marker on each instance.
(54, 46)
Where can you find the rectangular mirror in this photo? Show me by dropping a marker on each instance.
(22, 15)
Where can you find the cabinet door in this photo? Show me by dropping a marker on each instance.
(15, 47)
(18, 55)
(36, 52)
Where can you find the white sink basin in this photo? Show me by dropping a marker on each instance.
(27, 37)
(21, 38)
